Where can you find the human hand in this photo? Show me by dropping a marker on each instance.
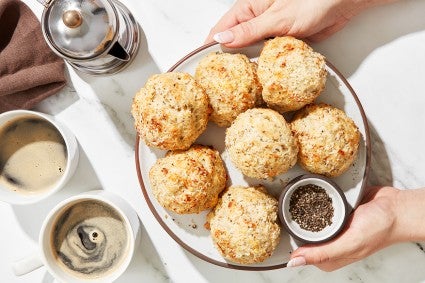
(249, 21)
(371, 227)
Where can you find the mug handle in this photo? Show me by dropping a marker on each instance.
(27, 264)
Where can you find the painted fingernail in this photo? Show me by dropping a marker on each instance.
(296, 261)
(224, 37)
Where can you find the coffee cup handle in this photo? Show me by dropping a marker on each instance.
(27, 264)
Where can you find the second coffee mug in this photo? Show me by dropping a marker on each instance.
(86, 238)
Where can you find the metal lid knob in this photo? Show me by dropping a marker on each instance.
(80, 29)
(72, 18)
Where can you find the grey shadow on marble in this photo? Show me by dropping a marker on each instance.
(369, 31)
(212, 273)
(61, 100)
(145, 261)
(30, 217)
(380, 173)
(124, 86)
(390, 265)
(47, 278)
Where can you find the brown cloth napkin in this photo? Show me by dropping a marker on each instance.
(29, 70)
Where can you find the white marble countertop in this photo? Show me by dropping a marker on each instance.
(381, 53)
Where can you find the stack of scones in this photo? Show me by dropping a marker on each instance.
(248, 98)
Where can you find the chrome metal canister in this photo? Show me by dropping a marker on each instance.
(94, 36)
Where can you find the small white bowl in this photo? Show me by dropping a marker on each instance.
(339, 203)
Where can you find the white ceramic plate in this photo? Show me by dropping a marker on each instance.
(189, 231)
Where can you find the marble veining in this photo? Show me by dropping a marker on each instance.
(381, 52)
(128, 134)
(421, 246)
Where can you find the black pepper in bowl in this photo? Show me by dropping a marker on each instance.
(311, 207)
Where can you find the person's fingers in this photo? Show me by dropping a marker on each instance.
(242, 11)
(328, 255)
(248, 32)
(228, 20)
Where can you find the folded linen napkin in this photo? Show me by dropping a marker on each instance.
(29, 70)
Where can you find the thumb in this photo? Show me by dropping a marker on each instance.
(327, 256)
(247, 32)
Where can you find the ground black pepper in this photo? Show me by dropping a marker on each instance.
(311, 207)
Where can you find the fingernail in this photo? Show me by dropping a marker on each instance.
(224, 37)
(296, 261)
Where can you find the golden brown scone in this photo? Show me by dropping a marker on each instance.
(260, 143)
(231, 83)
(171, 111)
(244, 224)
(328, 139)
(291, 73)
(188, 181)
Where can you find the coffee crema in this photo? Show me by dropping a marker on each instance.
(33, 155)
(90, 239)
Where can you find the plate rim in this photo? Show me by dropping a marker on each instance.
(230, 265)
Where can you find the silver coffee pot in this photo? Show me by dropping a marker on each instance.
(94, 36)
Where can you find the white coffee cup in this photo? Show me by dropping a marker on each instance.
(72, 155)
(48, 257)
